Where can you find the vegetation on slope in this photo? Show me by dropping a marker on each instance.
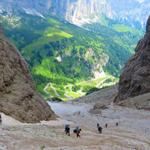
(67, 61)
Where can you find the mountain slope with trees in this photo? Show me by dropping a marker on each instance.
(67, 61)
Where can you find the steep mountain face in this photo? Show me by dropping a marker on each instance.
(80, 12)
(129, 12)
(87, 11)
(135, 78)
(18, 97)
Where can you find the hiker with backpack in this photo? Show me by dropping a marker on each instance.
(77, 131)
(67, 130)
(99, 128)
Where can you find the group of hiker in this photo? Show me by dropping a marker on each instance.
(99, 128)
(78, 130)
(0, 119)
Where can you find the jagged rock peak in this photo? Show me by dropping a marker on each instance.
(135, 78)
(18, 97)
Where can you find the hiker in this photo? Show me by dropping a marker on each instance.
(67, 130)
(106, 125)
(99, 128)
(0, 119)
(77, 131)
(117, 124)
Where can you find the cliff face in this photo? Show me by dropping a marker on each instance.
(18, 97)
(135, 78)
(87, 11)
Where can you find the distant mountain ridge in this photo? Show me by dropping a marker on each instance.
(80, 12)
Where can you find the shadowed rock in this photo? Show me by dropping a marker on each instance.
(18, 97)
(135, 78)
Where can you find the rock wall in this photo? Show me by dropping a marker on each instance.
(135, 78)
(18, 97)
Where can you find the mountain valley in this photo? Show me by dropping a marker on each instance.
(70, 56)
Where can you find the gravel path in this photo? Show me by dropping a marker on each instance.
(133, 132)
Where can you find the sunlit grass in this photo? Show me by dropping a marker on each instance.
(124, 28)
(49, 35)
(51, 32)
(53, 21)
